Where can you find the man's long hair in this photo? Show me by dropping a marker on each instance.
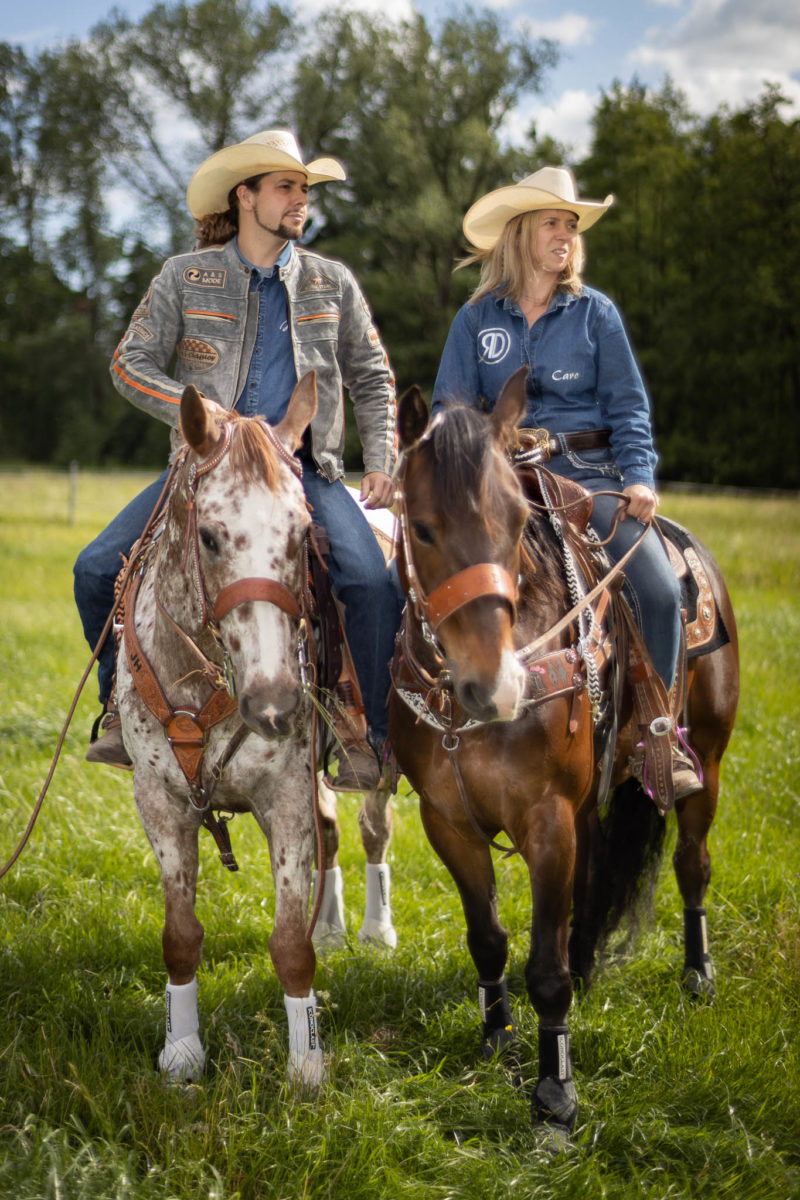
(215, 229)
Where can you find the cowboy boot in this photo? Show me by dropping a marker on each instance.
(107, 746)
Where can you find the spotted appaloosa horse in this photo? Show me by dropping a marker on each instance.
(219, 596)
(487, 752)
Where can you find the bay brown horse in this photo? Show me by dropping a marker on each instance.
(498, 739)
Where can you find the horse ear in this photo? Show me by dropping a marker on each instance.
(412, 417)
(197, 426)
(510, 409)
(300, 413)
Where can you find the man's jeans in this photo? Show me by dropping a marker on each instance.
(370, 593)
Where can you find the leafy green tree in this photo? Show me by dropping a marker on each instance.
(417, 116)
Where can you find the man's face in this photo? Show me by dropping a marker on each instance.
(278, 203)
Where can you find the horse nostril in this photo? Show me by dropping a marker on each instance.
(476, 700)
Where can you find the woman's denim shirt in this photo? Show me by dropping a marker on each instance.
(581, 373)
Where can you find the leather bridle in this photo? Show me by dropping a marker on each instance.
(473, 583)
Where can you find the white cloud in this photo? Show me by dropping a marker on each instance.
(394, 10)
(572, 29)
(566, 119)
(723, 51)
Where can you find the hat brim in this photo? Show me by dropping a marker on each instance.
(211, 183)
(485, 220)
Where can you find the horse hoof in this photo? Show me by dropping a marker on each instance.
(502, 1045)
(698, 984)
(182, 1061)
(327, 938)
(307, 1072)
(552, 1139)
(376, 933)
(555, 1104)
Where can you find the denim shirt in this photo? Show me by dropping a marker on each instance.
(271, 375)
(581, 373)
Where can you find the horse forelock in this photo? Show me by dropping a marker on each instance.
(465, 470)
(253, 455)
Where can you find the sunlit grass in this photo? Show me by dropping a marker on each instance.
(677, 1100)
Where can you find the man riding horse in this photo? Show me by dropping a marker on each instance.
(245, 315)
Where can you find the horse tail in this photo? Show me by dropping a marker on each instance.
(622, 855)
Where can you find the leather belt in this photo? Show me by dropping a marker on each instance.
(542, 442)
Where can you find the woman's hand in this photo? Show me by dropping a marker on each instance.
(642, 502)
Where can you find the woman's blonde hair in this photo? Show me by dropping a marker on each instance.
(509, 265)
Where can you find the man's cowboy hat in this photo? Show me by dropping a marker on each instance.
(270, 150)
(550, 187)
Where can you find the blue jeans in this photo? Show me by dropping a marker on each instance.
(651, 588)
(370, 593)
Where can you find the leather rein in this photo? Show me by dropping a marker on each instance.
(555, 673)
(186, 728)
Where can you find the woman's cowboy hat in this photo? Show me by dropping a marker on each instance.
(270, 150)
(550, 187)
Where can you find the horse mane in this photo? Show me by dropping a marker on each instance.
(461, 446)
(252, 453)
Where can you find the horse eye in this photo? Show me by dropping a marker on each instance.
(422, 533)
(209, 541)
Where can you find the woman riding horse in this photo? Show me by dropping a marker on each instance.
(587, 408)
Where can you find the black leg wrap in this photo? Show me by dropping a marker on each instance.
(497, 1030)
(698, 970)
(555, 1100)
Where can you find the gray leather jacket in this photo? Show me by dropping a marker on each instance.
(200, 308)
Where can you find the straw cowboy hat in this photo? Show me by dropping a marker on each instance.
(270, 150)
(549, 187)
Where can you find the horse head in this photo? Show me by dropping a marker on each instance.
(243, 530)
(462, 518)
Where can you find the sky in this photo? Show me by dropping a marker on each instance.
(715, 51)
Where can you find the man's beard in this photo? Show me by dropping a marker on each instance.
(282, 231)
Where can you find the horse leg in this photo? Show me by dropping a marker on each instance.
(174, 842)
(290, 833)
(330, 930)
(692, 865)
(470, 864)
(585, 929)
(549, 850)
(375, 823)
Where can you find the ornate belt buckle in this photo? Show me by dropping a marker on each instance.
(535, 444)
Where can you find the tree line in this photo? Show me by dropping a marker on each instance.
(99, 137)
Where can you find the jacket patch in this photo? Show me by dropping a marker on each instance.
(204, 277)
(197, 356)
(143, 310)
(315, 281)
(142, 331)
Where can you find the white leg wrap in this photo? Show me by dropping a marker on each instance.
(377, 927)
(183, 1057)
(306, 1062)
(329, 931)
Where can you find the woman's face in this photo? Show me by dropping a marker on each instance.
(555, 239)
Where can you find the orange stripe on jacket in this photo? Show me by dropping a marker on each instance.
(139, 388)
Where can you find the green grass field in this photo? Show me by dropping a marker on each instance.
(677, 1100)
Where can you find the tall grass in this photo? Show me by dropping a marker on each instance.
(677, 1099)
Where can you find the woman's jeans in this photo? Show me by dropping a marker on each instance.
(370, 593)
(651, 586)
